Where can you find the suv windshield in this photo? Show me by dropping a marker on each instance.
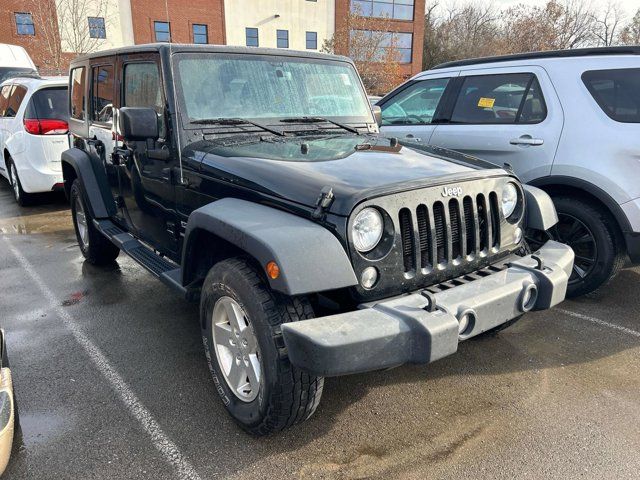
(215, 86)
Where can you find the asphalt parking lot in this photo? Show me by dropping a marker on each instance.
(111, 382)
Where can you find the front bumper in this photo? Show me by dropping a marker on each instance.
(411, 329)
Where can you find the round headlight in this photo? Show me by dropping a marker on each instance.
(367, 229)
(509, 199)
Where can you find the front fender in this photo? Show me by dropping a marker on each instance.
(311, 259)
(541, 213)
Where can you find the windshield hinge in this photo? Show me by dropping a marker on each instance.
(324, 201)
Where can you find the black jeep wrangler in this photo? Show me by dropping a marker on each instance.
(255, 181)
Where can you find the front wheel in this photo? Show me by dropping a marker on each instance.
(95, 247)
(591, 233)
(241, 319)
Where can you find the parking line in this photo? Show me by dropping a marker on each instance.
(597, 321)
(162, 443)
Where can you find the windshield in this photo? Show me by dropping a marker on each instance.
(213, 86)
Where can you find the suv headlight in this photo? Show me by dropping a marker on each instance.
(509, 199)
(367, 229)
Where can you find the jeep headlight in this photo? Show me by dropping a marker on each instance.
(367, 229)
(509, 199)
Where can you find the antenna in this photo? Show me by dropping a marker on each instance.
(175, 98)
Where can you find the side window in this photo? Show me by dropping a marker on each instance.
(416, 104)
(76, 98)
(142, 88)
(15, 100)
(499, 99)
(4, 98)
(617, 92)
(102, 94)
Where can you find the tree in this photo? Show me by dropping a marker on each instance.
(631, 33)
(374, 51)
(607, 24)
(65, 28)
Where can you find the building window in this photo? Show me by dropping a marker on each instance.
(24, 24)
(396, 9)
(312, 40)
(252, 37)
(282, 38)
(400, 42)
(200, 33)
(162, 31)
(97, 28)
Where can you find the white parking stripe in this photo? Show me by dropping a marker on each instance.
(597, 321)
(165, 446)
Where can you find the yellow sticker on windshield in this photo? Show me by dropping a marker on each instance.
(486, 102)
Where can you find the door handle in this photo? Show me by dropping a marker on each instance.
(527, 140)
(410, 136)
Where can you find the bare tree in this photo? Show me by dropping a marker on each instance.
(607, 24)
(375, 51)
(630, 35)
(64, 25)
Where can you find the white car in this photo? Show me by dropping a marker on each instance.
(33, 134)
(567, 122)
(15, 61)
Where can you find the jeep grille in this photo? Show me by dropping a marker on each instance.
(449, 230)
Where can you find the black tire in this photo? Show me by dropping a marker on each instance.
(21, 197)
(95, 247)
(286, 395)
(593, 234)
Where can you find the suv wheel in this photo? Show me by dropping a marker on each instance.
(95, 247)
(591, 233)
(241, 318)
(22, 198)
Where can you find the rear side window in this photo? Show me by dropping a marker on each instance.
(76, 98)
(617, 92)
(15, 100)
(415, 105)
(500, 99)
(102, 96)
(48, 103)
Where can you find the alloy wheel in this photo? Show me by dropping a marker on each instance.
(575, 233)
(81, 222)
(236, 349)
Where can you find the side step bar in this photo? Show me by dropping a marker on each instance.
(168, 272)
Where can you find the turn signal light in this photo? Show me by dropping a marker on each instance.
(46, 126)
(273, 270)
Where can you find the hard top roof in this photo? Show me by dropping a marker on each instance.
(577, 52)
(182, 47)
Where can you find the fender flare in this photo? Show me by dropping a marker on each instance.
(541, 213)
(310, 257)
(591, 189)
(94, 182)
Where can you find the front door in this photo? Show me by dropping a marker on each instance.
(147, 186)
(410, 113)
(505, 115)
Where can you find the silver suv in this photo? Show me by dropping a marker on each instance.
(566, 121)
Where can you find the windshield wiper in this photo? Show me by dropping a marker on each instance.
(320, 120)
(237, 121)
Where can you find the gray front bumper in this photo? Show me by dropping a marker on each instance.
(408, 329)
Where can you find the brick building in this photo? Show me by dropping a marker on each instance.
(296, 24)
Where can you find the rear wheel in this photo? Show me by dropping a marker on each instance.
(241, 320)
(95, 247)
(22, 198)
(592, 234)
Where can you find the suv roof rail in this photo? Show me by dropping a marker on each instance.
(576, 52)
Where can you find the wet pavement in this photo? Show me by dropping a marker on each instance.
(111, 382)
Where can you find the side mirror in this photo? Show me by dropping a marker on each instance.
(377, 114)
(138, 123)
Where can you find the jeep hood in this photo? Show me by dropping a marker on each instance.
(355, 167)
